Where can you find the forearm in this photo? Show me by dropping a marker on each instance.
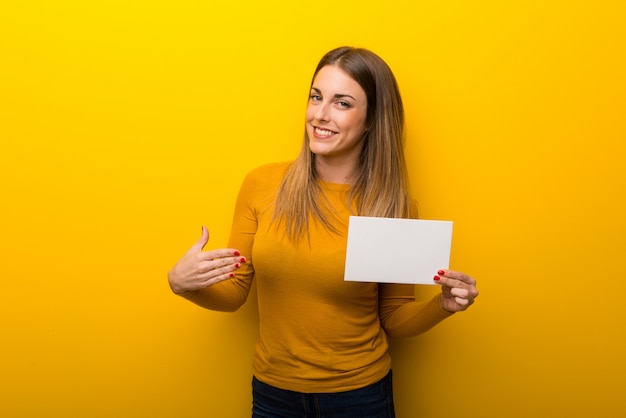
(226, 296)
(403, 318)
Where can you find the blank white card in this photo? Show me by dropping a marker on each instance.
(391, 250)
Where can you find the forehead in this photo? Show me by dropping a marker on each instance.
(331, 79)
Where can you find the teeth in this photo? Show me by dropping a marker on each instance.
(323, 132)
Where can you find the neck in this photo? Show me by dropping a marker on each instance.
(336, 172)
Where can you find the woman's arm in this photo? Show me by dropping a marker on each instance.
(402, 316)
(220, 280)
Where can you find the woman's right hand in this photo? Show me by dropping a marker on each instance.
(198, 269)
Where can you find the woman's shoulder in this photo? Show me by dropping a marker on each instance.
(270, 171)
(267, 175)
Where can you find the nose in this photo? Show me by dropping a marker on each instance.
(321, 112)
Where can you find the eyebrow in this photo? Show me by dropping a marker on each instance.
(336, 96)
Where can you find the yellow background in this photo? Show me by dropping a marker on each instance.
(126, 125)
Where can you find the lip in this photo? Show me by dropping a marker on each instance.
(322, 133)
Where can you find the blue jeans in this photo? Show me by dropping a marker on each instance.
(373, 401)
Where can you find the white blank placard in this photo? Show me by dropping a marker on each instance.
(390, 250)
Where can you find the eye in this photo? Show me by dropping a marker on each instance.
(314, 97)
(343, 104)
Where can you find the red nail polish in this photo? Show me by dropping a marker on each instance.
(237, 253)
(436, 278)
(236, 265)
(232, 274)
(441, 272)
(242, 259)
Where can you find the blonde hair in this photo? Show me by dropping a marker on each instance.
(381, 185)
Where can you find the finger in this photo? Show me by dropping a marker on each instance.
(460, 292)
(454, 287)
(464, 297)
(217, 279)
(224, 253)
(216, 264)
(218, 274)
(457, 276)
(463, 281)
(446, 282)
(199, 245)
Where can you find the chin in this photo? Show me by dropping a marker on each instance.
(318, 149)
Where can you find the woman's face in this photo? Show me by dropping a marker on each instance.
(336, 115)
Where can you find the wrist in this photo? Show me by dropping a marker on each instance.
(176, 289)
(442, 305)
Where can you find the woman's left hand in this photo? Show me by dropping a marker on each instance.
(458, 290)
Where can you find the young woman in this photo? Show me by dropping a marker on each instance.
(322, 348)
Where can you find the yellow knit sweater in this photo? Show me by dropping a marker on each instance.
(318, 333)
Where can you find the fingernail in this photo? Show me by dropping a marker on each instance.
(236, 265)
(237, 253)
(436, 278)
(242, 259)
(232, 274)
(441, 272)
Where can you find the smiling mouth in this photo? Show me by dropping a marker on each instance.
(323, 132)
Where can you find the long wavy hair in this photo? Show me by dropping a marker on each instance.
(381, 185)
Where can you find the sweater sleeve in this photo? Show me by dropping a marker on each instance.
(402, 316)
(229, 295)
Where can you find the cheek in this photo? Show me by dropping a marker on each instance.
(309, 114)
(357, 124)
